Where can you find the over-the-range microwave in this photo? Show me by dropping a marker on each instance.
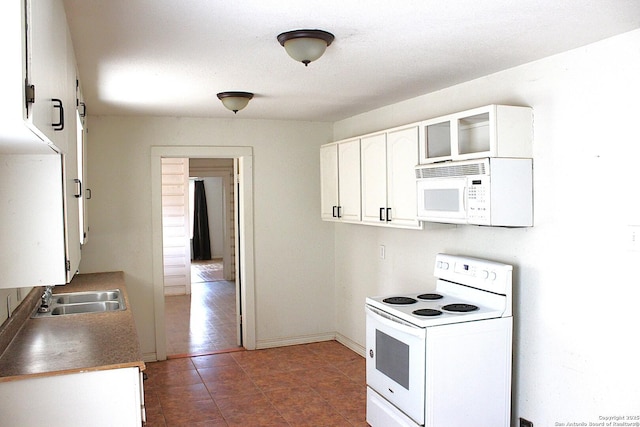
(491, 191)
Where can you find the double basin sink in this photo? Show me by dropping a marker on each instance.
(82, 302)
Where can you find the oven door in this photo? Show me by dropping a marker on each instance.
(442, 199)
(396, 362)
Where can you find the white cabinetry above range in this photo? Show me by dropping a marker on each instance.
(490, 131)
(371, 179)
(340, 181)
(388, 178)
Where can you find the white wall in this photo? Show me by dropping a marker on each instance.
(293, 248)
(577, 285)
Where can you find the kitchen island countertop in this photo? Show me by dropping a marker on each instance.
(75, 343)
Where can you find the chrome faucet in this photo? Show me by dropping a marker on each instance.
(45, 299)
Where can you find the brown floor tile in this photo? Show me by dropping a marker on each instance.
(155, 418)
(277, 380)
(172, 378)
(355, 370)
(213, 360)
(189, 412)
(321, 384)
(231, 387)
(250, 410)
(304, 406)
(175, 395)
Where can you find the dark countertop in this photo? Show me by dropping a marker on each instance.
(75, 343)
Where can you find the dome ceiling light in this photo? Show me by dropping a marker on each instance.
(235, 101)
(305, 45)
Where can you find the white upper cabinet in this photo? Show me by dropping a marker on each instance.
(41, 189)
(81, 145)
(402, 157)
(340, 181)
(490, 131)
(33, 246)
(374, 178)
(36, 106)
(388, 163)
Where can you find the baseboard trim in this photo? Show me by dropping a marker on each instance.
(149, 357)
(349, 343)
(283, 342)
(303, 339)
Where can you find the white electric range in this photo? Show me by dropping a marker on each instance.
(442, 358)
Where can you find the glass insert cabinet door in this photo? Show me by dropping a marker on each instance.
(455, 137)
(437, 139)
(489, 131)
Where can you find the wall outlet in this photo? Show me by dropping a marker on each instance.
(633, 238)
(525, 423)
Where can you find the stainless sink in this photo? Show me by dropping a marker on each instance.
(86, 307)
(81, 302)
(81, 297)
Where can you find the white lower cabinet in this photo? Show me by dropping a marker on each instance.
(111, 397)
(388, 163)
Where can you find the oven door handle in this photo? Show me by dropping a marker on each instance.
(395, 323)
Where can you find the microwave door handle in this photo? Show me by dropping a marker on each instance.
(465, 198)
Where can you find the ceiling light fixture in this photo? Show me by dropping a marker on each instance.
(305, 45)
(235, 101)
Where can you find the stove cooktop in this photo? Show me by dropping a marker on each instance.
(449, 303)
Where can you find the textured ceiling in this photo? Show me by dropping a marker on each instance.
(170, 57)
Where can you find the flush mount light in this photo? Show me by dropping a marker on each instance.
(305, 45)
(235, 101)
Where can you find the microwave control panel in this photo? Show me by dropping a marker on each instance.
(479, 200)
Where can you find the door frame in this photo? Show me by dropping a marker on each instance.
(245, 277)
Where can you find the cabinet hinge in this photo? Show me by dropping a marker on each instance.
(68, 265)
(29, 93)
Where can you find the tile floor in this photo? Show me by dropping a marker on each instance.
(205, 321)
(319, 384)
(209, 381)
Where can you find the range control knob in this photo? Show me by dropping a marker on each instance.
(493, 275)
(484, 274)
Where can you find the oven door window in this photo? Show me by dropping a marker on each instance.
(392, 358)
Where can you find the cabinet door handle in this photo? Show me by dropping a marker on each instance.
(57, 103)
(79, 188)
(333, 212)
(388, 214)
(382, 214)
(339, 211)
(88, 193)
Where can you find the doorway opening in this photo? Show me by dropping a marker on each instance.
(238, 266)
(199, 205)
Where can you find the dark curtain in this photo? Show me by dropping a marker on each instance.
(201, 242)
